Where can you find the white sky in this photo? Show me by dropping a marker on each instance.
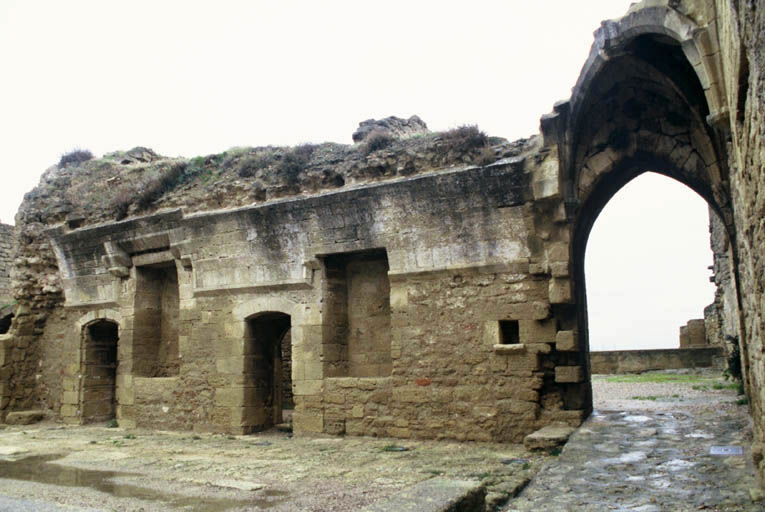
(192, 78)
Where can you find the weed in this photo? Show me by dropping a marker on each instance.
(555, 452)
(740, 388)
(294, 162)
(720, 385)
(435, 472)
(171, 176)
(742, 401)
(734, 359)
(248, 166)
(195, 438)
(231, 438)
(700, 387)
(526, 465)
(76, 156)
(130, 436)
(651, 398)
(486, 156)
(93, 442)
(112, 424)
(376, 141)
(464, 139)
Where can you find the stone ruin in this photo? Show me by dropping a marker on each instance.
(425, 286)
(7, 248)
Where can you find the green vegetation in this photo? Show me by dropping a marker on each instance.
(294, 162)
(657, 377)
(720, 385)
(76, 156)
(129, 436)
(742, 401)
(112, 424)
(650, 397)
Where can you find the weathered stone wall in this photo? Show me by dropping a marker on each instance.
(405, 281)
(7, 248)
(741, 29)
(638, 361)
(693, 334)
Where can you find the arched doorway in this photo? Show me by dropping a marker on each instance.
(266, 376)
(98, 389)
(647, 266)
(642, 103)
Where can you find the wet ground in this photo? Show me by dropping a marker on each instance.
(649, 447)
(99, 468)
(661, 442)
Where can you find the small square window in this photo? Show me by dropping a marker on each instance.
(509, 333)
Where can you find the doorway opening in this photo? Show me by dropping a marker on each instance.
(647, 265)
(268, 369)
(157, 307)
(98, 399)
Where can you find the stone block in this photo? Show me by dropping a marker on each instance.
(536, 331)
(566, 341)
(548, 437)
(308, 422)
(569, 374)
(308, 387)
(559, 290)
(559, 269)
(24, 417)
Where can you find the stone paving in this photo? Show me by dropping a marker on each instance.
(653, 458)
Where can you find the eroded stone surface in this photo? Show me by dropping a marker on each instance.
(24, 417)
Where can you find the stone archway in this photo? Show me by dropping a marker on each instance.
(644, 102)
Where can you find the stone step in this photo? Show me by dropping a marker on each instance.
(283, 427)
(435, 495)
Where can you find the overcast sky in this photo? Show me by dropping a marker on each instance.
(193, 78)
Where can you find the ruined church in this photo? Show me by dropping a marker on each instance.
(412, 284)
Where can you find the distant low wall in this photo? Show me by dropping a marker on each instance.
(635, 361)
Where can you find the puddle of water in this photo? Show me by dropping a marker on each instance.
(38, 469)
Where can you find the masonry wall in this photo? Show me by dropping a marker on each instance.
(7, 248)
(394, 293)
(741, 28)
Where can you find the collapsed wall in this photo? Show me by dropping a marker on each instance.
(721, 317)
